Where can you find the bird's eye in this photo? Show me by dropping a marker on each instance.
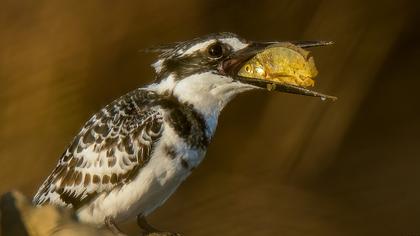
(215, 50)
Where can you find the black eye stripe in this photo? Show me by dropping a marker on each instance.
(182, 65)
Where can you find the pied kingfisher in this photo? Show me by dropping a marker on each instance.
(132, 155)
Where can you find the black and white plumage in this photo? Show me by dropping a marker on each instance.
(115, 145)
(108, 151)
(133, 154)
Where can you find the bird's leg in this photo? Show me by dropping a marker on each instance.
(109, 222)
(150, 230)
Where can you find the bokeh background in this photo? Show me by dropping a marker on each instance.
(279, 164)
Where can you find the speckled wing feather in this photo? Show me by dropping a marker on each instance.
(109, 151)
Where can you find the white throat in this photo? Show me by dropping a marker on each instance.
(207, 92)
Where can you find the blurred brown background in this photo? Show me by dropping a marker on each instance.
(279, 164)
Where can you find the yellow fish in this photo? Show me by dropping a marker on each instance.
(283, 63)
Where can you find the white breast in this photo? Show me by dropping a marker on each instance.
(151, 188)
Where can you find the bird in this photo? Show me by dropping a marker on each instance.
(132, 155)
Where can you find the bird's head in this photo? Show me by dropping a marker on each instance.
(204, 71)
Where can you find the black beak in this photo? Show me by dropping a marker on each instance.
(231, 66)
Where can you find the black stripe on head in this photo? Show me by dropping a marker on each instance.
(174, 61)
(182, 67)
(172, 49)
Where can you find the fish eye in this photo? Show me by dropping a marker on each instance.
(248, 68)
(215, 50)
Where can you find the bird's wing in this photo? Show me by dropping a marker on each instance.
(109, 151)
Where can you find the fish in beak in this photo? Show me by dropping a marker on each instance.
(276, 66)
